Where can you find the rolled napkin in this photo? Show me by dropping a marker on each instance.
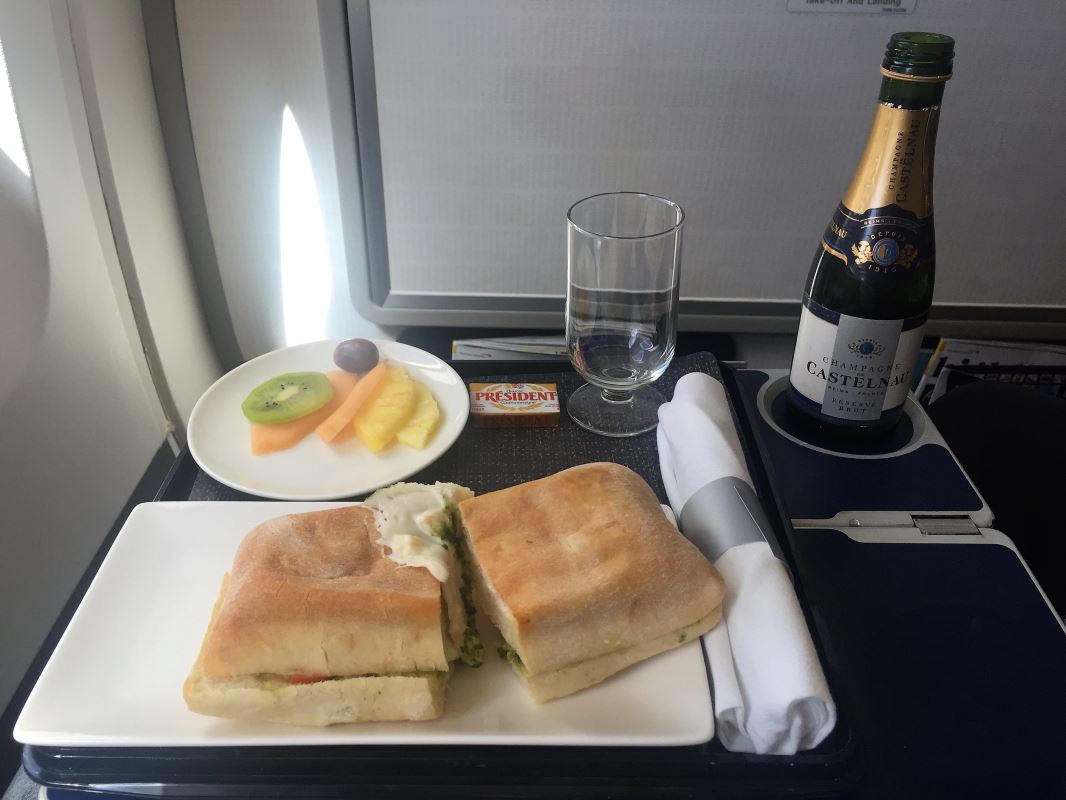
(771, 695)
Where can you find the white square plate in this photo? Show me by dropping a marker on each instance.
(115, 678)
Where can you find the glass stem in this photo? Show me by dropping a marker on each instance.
(616, 396)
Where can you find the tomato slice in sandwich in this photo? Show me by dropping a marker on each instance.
(298, 678)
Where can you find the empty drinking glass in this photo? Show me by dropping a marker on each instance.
(621, 307)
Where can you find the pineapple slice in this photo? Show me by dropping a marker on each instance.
(387, 410)
(418, 430)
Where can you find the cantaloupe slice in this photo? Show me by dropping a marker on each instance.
(283, 435)
(347, 433)
(342, 416)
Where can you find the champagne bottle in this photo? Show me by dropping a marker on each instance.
(871, 284)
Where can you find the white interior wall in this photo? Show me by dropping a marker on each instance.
(117, 82)
(79, 419)
(496, 115)
(270, 185)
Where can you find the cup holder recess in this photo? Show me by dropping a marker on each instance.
(906, 435)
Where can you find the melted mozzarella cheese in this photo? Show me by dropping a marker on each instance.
(409, 519)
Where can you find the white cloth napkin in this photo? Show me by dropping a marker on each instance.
(771, 695)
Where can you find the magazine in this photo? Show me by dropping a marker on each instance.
(958, 361)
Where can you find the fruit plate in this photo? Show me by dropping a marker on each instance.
(115, 678)
(313, 469)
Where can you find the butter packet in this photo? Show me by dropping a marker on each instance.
(512, 405)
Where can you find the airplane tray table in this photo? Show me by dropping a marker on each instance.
(951, 657)
(484, 459)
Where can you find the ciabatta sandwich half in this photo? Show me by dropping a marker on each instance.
(352, 614)
(583, 575)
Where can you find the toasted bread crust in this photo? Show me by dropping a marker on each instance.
(368, 698)
(584, 563)
(545, 686)
(314, 594)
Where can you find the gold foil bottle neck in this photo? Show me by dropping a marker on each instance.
(896, 167)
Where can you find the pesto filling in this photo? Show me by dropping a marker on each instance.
(508, 653)
(471, 651)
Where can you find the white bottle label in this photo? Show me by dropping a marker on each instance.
(854, 368)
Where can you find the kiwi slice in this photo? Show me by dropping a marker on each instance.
(287, 397)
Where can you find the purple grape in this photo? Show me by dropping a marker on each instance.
(356, 355)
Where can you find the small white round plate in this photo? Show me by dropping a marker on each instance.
(313, 469)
